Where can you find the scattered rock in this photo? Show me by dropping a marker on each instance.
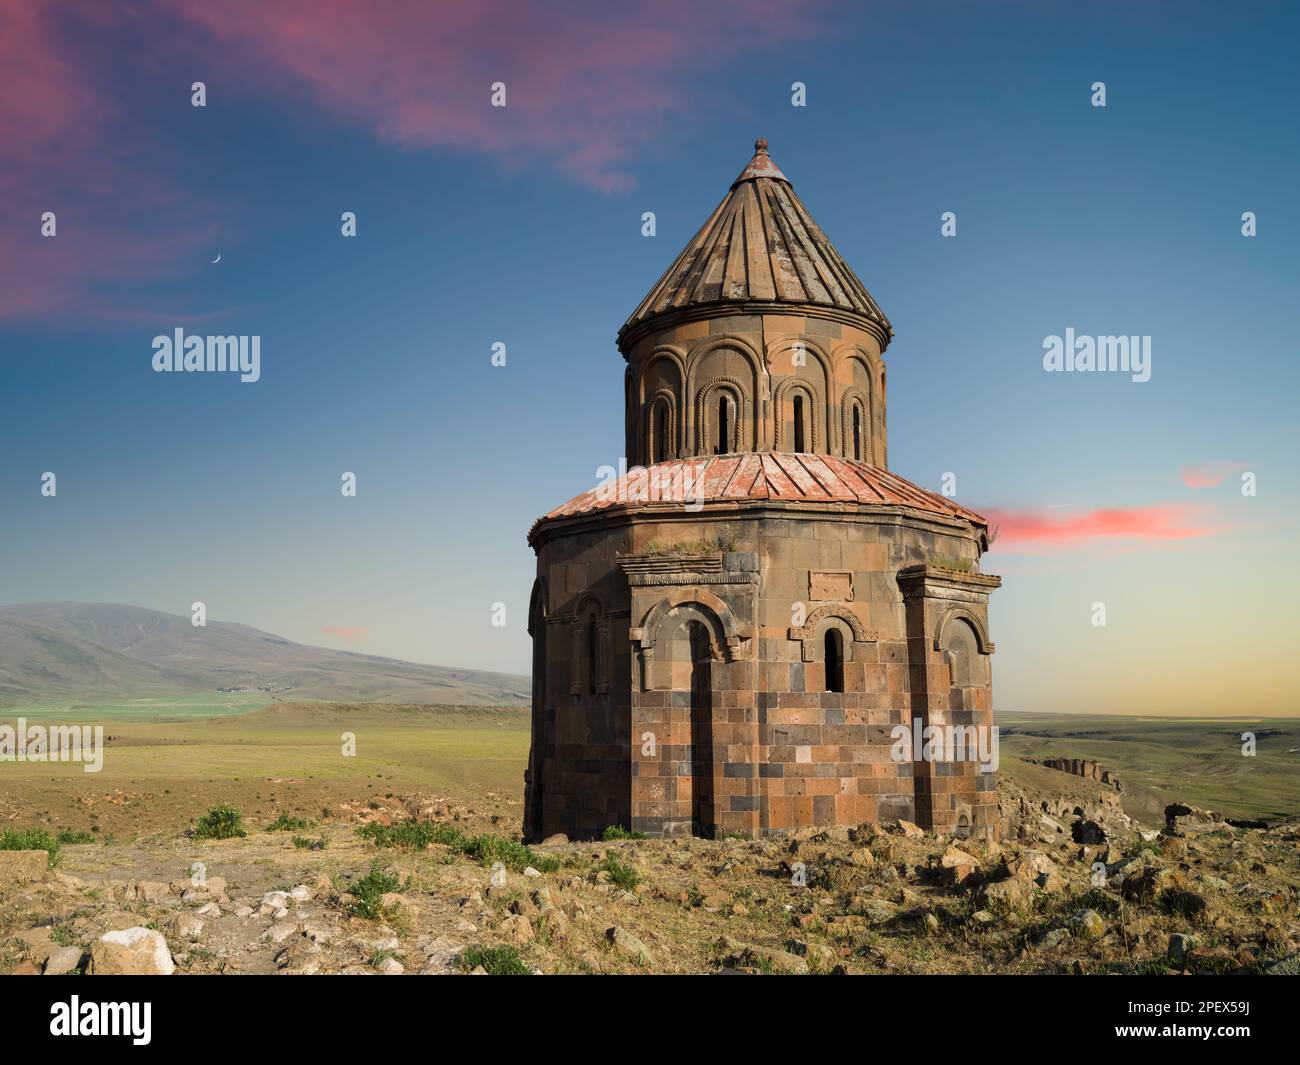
(131, 952)
(957, 865)
(63, 960)
(1087, 924)
(1180, 944)
(301, 957)
(628, 946)
(186, 926)
(517, 929)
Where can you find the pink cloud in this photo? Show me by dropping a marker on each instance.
(67, 148)
(348, 634)
(1210, 474)
(588, 85)
(1042, 530)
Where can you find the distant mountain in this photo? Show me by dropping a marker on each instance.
(50, 650)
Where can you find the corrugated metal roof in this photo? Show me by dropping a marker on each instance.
(760, 244)
(773, 475)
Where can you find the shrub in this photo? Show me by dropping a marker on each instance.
(221, 822)
(620, 872)
(498, 961)
(510, 853)
(369, 891)
(288, 823)
(416, 835)
(619, 832)
(305, 844)
(411, 835)
(71, 836)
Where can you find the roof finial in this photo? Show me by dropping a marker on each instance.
(760, 145)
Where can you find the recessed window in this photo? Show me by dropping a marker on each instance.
(724, 425)
(593, 654)
(659, 433)
(857, 432)
(799, 441)
(834, 660)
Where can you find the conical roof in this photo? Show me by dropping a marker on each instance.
(759, 245)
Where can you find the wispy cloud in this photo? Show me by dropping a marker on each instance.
(589, 85)
(67, 147)
(1210, 474)
(590, 89)
(1047, 529)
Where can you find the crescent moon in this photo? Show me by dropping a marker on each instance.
(218, 258)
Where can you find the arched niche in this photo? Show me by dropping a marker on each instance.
(800, 361)
(589, 648)
(798, 410)
(664, 640)
(962, 643)
(811, 634)
(723, 369)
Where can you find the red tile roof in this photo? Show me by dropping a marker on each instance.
(772, 475)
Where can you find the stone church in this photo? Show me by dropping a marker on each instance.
(748, 631)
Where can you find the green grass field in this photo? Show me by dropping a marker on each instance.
(158, 775)
(164, 708)
(1162, 760)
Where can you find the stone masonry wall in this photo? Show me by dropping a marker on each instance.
(772, 750)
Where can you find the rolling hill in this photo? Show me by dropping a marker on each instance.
(56, 650)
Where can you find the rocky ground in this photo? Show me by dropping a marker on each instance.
(436, 886)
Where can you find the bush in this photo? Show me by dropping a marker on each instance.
(305, 844)
(370, 889)
(416, 835)
(619, 832)
(620, 872)
(287, 823)
(510, 853)
(411, 835)
(498, 961)
(221, 822)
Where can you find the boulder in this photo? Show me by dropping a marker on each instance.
(131, 952)
(957, 865)
(63, 960)
(185, 926)
(1180, 945)
(517, 929)
(1087, 924)
(628, 946)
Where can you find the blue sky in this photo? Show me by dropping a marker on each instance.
(375, 349)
